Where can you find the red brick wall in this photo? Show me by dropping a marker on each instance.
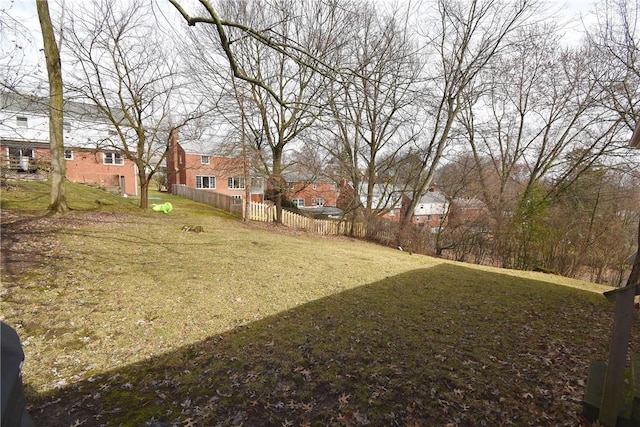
(88, 168)
(220, 167)
(324, 190)
(176, 172)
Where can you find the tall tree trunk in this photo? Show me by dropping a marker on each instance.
(278, 182)
(58, 201)
(634, 277)
(144, 186)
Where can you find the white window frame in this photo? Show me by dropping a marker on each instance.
(298, 202)
(22, 121)
(318, 201)
(211, 184)
(68, 154)
(112, 158)
(205, 160)
(236, 183)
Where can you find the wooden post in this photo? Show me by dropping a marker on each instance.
(612, 393)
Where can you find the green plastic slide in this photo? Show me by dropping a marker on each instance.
(164, 207)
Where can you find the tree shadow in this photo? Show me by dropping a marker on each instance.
(434, 346)
(24, 243)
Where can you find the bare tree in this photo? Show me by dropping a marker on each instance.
(462, 40)
(373, 109)
(230, 31)
(131, 74)
(285, 64)
(58, 200)
(593, 222)
(16, 37)
(615, 40)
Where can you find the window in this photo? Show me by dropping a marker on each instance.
(22, 121)
(256, 183)
(235, 183)
(428, 217)
(292, 186)
(236, 199)
(205, 160)
(317, 202)
(21, 159)
(314, 186)
(298, 202)
(112, 158)
(68, 155)
(205, 181)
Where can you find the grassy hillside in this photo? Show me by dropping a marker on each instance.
(129, 320)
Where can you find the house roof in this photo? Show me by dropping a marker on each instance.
(469, 203)
(322, 210)
(196, 147)
(32, 104)
(431, 197)
(295, 176)
(385, 196)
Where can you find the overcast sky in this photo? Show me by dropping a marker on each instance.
(24, 11)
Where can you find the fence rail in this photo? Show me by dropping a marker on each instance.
(267, 213)
(217, 200)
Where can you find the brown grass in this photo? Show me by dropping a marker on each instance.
(128, 320)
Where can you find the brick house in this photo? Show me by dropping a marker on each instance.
(189, 166)
(470, 213)
(311, 193)
(25, 151)
(315, 196)
(431, 211)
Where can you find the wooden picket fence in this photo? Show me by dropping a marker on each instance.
(262, 212)
(267, 213)
(326, 227)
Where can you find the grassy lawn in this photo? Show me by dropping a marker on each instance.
(126, 319)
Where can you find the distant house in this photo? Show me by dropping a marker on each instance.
(25, 150)
(316, 196)
(389, 202)
(197, 169)
(470, 213)
(431, 210)
(386, 202)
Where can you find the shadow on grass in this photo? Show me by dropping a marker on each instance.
(21, 242)
(435, 346)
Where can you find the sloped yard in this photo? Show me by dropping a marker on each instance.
(129, 320)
